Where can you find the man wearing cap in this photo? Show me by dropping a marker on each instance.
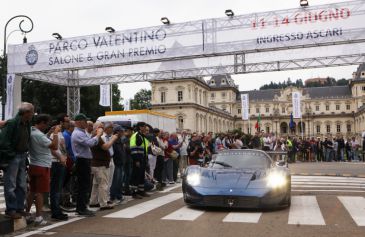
(139, 148)
(81, 144)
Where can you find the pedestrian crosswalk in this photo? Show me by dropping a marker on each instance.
(304, 210)
(323, 184)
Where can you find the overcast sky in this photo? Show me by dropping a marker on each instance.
(82, 17)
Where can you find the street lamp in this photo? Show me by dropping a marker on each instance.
(304, 3)
(3, 91)
(165, 20)
(229, 13)
(57, 36)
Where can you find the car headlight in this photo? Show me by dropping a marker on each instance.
(276, 180)
(193, 179)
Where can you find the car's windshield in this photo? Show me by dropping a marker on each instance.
(241, 160)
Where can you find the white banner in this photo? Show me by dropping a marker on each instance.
(104, 95)
(245, 106)
(296, 97)
(324, 24)
(126, 104)
(9, 107)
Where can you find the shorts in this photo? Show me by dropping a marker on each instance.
(39, 179)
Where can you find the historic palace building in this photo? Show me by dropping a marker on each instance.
(215, 105)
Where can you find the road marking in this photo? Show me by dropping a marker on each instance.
(328, 186)
(41, 230)
(329, 183)
(304, 210)
(244, 217)
(144, 207)
(356, 208)
(184, 214)
(315, 178)
(327, 190)
(170, 188)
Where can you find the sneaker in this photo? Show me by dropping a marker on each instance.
(107, 207)
(159, 187)
(171, 182)
(13, 215)
(40, 221)
(94, 205)
(86, 212)
(60, 217)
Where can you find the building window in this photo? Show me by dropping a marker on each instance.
(328, 128)
(179, 96)
(338, 128)
(212, 95)
(267, 110)
(224, 108)
(318, 128)
(257, 110)
(212, 82)
(223, 94)
(239, 111)
(337, 107)
(348, 107)
(327, 107)
(249, 110)
(317, 107)
(223, 81)
(181, 122)
(267, 129)
(283, 110)
(348, 127)
(163, 96)
(363, 87)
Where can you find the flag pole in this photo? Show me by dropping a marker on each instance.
(249, 125)
(301, 126)
(111, 97)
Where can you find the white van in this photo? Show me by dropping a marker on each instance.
(132, 117)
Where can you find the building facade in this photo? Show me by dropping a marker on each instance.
(215, 106)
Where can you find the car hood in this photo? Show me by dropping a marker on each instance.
(228, 178)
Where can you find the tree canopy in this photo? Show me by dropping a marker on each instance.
(141, 100)
(299, 83)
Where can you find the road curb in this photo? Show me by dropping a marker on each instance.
(330, 174)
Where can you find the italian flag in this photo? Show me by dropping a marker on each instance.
(258, 123)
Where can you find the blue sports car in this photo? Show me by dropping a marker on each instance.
(238, 179)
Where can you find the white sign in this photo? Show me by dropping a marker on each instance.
(297, 113)
(104, 95)
(9, 106)
(245, 106)
(126, 104)
(326, 24)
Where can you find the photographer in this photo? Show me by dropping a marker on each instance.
(195, 150)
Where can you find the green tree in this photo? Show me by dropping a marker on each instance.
(52, 99)
(141, 100)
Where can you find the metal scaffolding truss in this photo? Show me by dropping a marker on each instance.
(214, 50)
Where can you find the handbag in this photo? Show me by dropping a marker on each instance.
(157, 151)
(173, 155)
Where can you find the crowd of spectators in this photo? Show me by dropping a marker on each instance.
(83, 165)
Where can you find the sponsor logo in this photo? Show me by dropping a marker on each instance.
(32, 56)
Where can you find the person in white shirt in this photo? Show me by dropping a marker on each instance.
(184, 140)
(267, 142)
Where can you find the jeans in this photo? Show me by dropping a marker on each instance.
(15, 185)
(341, 154)
(116, 187)
(58, 172)
(159, 168)
(167, 174)
(83, 173)
(152, 164)
(329, 155)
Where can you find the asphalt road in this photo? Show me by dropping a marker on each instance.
(321, 206)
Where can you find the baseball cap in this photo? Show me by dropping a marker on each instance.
(140, 124)
(118, 128)
(80, 117)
